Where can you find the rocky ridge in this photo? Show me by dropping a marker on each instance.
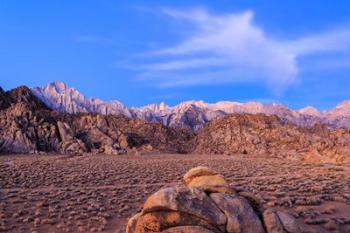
(27, 125)
(261, 134)
(190, 114)
(60, 97)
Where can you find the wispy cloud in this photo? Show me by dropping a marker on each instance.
(231, 48)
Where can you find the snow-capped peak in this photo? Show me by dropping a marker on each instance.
(59, 96)
(193, 114)
(309, 110)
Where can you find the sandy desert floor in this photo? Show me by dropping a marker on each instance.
(98, 193)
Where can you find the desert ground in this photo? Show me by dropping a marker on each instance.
(98, 193)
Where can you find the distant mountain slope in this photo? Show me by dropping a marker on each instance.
(190, 114)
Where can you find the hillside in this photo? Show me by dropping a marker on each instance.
(27, 125)
(261, 134)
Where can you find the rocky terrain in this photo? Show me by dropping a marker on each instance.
(27, 125)
(190, 114)
(261, 134)
(301, 172)
(41, 193)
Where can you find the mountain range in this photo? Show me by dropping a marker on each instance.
(66, 122)
(194, 115)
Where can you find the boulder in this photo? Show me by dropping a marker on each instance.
(73, 146)
(196, 172)
(158, 221)
(272, 222)
(131, 226)
(109, 150)
(186, 200)
(206, 179)
(280, 222)
(123, 141)
(182, 209)
(289, 222)
(65, 131)
(241, 217)
(187, 229)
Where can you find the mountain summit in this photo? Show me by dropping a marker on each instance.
(62, 98)
(189, 114)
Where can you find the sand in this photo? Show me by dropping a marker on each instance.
(51, 193)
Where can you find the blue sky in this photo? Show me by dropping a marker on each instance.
(139, 52)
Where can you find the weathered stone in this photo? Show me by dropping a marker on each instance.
(65, 131)
(206, 179)
(187, 229)
(196, 172)
(158, 221)
(215, 183)
(186, 200)
(272, 222)
(123, 141)
(241, 217)
(131, 226)
(288, 222)
(74, 146)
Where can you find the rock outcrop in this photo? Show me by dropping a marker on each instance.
(27, 125)
(261, 134)
(200, 210)
(206, 179)
(280, 222)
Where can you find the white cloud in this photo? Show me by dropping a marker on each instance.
(331, 41)
(237, 49)
(186, 64)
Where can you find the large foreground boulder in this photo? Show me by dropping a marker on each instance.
(185, 200)
(197, 207)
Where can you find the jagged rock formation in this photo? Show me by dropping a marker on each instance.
(62, 98)
(261, 134)
(27, 125)
(201, 210)
(191, 114)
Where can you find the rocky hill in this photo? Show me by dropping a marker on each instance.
(27, 125)
(190, 114)
(262, 134)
